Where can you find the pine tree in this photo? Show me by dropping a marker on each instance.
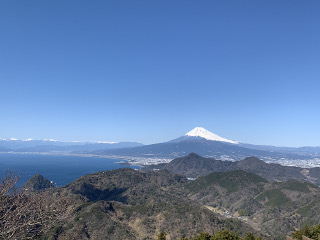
(249, 236)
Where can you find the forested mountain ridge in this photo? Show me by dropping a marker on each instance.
(274, 208)
(193, 166)
(130, 204)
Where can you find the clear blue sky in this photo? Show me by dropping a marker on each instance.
(150, 71)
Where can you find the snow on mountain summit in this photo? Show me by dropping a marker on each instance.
(201, 132)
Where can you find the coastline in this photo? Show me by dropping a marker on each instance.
(125, 160)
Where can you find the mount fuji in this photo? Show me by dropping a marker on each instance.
(202, 142)
(201, 133)
(198, 140)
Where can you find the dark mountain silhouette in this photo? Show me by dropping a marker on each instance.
(193, 166)
(38, 183)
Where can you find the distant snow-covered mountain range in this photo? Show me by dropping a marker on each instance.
(50, 145)
(198, 140)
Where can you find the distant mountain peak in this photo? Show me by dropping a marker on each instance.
(203, 133)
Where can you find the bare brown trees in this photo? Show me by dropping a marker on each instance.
(24, 214)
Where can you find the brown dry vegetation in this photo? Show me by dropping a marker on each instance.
(26, 215)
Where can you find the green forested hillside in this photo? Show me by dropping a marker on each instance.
(130, 204)
(273, 208)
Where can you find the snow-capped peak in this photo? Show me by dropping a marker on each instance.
(50, 140)
(27, 140)
(201, 132)
(107, 142)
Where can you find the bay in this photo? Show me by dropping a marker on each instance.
(60, 169)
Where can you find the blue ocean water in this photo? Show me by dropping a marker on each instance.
(62, 170)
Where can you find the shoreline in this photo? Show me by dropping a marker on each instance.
(129, 160)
